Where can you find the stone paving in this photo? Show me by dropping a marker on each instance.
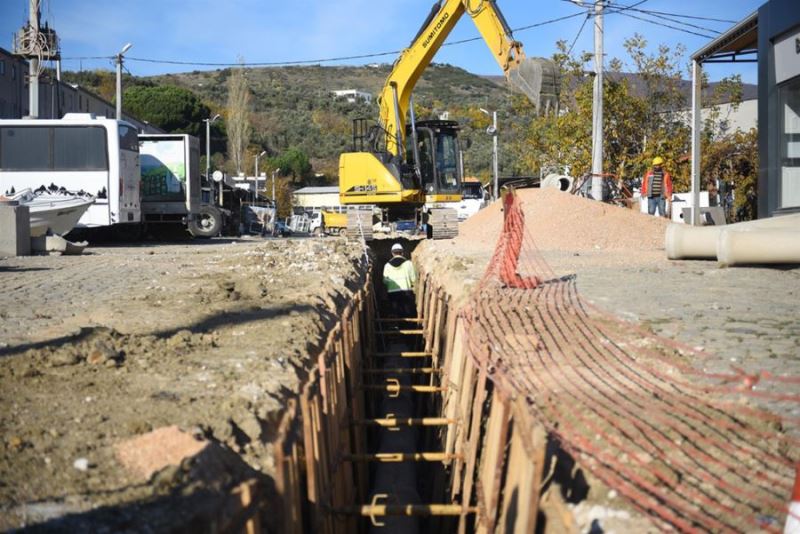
(744, 317)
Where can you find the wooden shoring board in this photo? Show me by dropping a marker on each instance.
(464, 413)
(442, 329)
(246, 516)
(524, 473)
(471, 451)
(454, 377)
(354, 364)
(344, 443)
(430, 317)
(492, 461)
(287, 474)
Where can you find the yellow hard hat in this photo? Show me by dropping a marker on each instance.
(658, 160)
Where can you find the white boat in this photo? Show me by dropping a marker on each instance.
(55, 211)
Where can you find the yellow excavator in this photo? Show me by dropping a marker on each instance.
(403, 175)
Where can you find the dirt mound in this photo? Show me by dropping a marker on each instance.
(558, 221)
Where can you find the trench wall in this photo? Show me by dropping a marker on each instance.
(495, 453)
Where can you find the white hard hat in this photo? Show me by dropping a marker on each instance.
(397, 247)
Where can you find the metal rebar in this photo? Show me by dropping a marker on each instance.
(406, 421)
(396, 457)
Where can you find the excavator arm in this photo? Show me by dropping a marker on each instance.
(395, 98)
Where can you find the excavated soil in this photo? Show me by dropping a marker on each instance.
(742, 321)
(190, 349)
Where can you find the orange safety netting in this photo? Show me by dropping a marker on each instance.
(628, 405)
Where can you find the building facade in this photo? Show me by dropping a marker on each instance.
(56, 98)
(779, 107)
(311, 198)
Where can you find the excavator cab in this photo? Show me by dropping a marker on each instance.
(438, 168)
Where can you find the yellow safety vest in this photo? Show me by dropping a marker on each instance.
(399, 276)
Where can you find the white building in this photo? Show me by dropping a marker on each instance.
(353, 95)
(311, 198)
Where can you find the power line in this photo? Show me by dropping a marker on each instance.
(651, 12)
(310, 61)
(588, 16)
(675, 20)
(665, 25)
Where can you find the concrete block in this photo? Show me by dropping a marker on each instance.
(15, 230)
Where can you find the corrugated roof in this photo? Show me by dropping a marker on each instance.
(742, 37)
(318, 190)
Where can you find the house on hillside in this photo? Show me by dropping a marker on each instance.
(771, 37)
(353, 95)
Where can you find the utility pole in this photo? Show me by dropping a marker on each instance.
(255, 182)
(119, 79)
(597, 106)
(209, 122)
(33, 65)
(492, 130)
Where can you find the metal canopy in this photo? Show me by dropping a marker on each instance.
(740, 40)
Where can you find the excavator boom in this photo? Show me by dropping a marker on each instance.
(394, 100)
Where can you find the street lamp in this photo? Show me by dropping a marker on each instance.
(209, 122)
(119, 78)
(492, 130)
(255, 184)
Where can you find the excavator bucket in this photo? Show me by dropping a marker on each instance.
(527, 79)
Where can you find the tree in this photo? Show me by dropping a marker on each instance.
(642, 116)
(238, 117)
(293, 162)
(174, 109)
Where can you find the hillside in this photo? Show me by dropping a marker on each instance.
(293, 106)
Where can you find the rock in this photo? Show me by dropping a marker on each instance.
(97, 357)
(15, 443)
(81, 464)
(30, 372)
(64, 358)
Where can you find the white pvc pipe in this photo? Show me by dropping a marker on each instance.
(683, 241)
(758, 245)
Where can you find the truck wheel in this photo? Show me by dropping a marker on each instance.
(317, 231)
(207, 224)
(342, 232)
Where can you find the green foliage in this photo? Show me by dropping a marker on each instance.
(171, 108)
(293, 162)
(644, 117)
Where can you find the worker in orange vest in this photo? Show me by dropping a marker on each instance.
(657, 187)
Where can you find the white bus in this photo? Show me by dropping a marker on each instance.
(80, 152)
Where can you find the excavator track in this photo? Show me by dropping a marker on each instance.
(359, 223)
(443, 223)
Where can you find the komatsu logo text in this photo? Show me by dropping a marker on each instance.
(435, 30)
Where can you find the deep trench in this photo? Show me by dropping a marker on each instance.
(404, 482)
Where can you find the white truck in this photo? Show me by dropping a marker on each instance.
(170, 185)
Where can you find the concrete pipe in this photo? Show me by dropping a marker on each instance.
(557, 181)
(684, 241)
(758, 246)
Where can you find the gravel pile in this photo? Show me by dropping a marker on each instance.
(559, 221)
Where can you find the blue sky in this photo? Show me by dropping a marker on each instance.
(280, 31)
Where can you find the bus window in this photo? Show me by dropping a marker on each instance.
(25, 148)
(79, 149)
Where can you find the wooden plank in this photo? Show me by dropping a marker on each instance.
(471, 451)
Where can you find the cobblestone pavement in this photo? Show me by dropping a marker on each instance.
(745, 317)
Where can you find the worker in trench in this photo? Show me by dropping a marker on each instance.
(399, 278)
(657, 188)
